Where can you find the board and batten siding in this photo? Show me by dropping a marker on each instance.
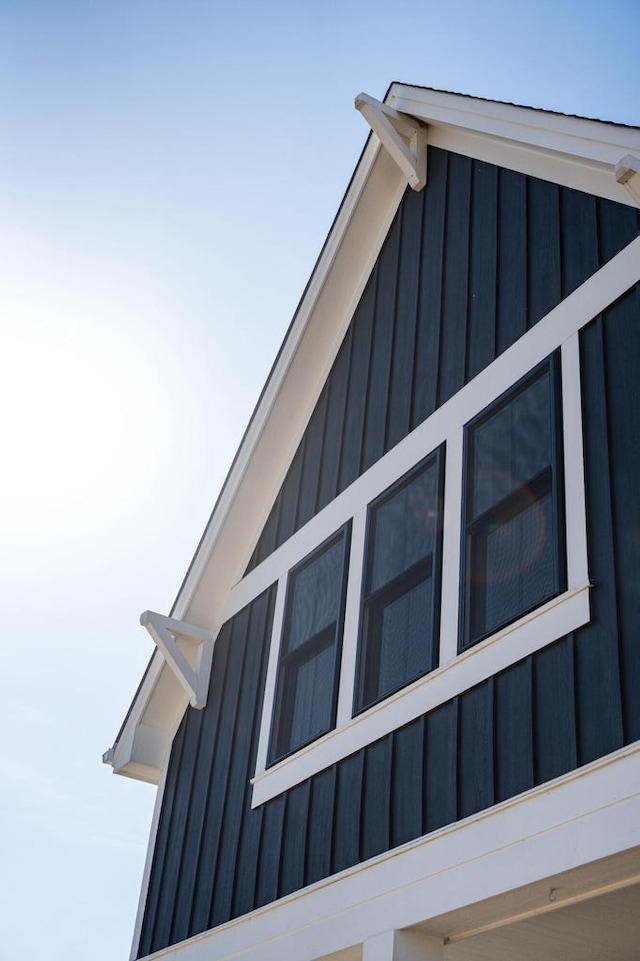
(215, 857)
(469, 265)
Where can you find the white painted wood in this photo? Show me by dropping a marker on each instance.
(574, 473)
(146, 873)
(529, 634)
(272, 673)
(404, 125)
(121, 756)
(588, 815)
(564, 321)
(352, 618)
(450, 600)
(553, 620)
(294, 385)
(193, 678)
(403, 946)
(572, 151)
(628, 174)
(587, 141)
(557, 168)
(403, 138)
(561, 324)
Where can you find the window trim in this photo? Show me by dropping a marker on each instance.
(555, 472)
(455, 672)
(558, 329)
(398, 586)
(315, 643)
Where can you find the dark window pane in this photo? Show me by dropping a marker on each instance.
(316, 598)
(513, 552)
(402, 580)
(405, 644)
(309, 652)
(512, 446)
(520, 565)
(313, 698)
(404, 528)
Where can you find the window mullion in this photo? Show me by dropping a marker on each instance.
(515, 501)
(451, 547)
(309, 648)
(351, 618)
(272, 674)
(576, 518)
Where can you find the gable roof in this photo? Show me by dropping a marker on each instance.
(568, 150)
(510, 103)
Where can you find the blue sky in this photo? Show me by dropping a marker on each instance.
(168, 174)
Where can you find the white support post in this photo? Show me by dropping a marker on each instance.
(402, 136)
(164, 632)
(403, 946)
(628, 174)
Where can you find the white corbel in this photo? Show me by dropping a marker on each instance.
(404, 137)
(165, 631)
(628, 174)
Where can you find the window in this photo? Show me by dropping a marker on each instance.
(486, 559)
(399, 632)
(309, 657)
(513, 528)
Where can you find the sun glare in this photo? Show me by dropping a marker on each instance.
(82, 406)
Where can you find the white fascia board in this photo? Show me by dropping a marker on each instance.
(571, 151)
(564, 825)
(293, 387)
(276, 428)
(334, 290)
(142, 747)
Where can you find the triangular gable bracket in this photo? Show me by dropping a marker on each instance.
(165, 631)
(628, 174)
(402, 136)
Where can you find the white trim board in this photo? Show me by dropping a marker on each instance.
(560, 324)
(535, 137)
(146, 872)
(161, 698)
(577, 152)
(548, 623)
(578, 819)
(455, 673)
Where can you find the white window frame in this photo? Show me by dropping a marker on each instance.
(455, 672)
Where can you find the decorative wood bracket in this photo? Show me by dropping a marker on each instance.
(403, 137)
(165, 631)
(628, 174)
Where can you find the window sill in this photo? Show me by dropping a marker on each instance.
(530, 633)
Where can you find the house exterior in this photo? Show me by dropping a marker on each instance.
(394, 712)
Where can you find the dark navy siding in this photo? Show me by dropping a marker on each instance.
(576, 700)
(469, 265)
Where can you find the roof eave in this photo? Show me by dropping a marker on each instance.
(580, 153)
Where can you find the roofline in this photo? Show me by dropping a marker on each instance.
(574, 150)
(395, 92)
(272, 373)
(509, 103)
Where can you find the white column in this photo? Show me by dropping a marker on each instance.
(403, 946)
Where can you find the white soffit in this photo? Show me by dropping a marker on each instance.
(568, 150)
(572, 151)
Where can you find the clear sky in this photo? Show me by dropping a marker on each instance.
(168, 174)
